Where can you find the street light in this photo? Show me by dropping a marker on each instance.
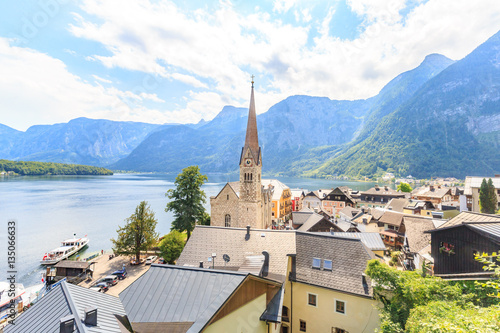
(213, 260)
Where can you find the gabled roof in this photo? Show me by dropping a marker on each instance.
(313, 220)
(392, 218)
(397, 204)
(435, 192)
(341, 190)
(383, 191)
(349, 211)
(301, 216)
(376, 213)
(297, 192)
(206, 240)
(274, 308)
(465, 217)
(73, 264)
(172, 294)
(68, 299)
(322, 193)
(415, 229)
(489, 230)
(360, 218)
(371, 239)
(349, 257)
(235, 186)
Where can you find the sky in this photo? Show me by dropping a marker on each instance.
(159, 61)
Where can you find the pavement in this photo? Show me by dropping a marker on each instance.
(105, 266)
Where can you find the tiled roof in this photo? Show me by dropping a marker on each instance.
(349, 258)
(349, 211)
(397, 204)
(313, 220)
(206, 240)
(392, 218)
(68, 299)
(173, 294)
(371, 239)
(376, 213)
(236, 187)
(301, 216)
(322, 193)
(360, 218)
(415, 228)
(425, 191)
(384, 191)
(464, 217)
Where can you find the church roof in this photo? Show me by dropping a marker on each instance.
(252, 137)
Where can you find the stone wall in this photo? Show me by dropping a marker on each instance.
(226, 202)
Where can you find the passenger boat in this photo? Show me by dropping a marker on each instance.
(14, 298)
(68, 247)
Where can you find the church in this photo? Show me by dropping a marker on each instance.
(245, 202)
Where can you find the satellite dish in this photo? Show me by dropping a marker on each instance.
(226, 258)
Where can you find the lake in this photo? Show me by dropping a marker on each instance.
(49, 209)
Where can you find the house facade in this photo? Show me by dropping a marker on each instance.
(377, 196)
(337, 199)
(297, 197)
(470, 201)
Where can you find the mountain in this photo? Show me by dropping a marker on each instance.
(82, 141)
(450, 126)
(290, 127)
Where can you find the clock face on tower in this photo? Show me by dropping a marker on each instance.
(248, 162)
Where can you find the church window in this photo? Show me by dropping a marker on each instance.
(228, 197)
(228, 221)
(251, 178)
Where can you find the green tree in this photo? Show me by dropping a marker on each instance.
(205, 220)
(171, 246)
(404, 187)
(187, 199)
(138, 234)
(487, 197)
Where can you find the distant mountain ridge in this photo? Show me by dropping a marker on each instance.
(441, 118)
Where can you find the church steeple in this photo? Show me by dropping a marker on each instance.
(252, 137)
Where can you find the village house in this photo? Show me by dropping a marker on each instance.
(435, 194)
(469, 200)
(187, 299)
(455, 243)
(336, 200)
(326, 289)
(281, 208)
(377, 196)
(312, 200)
(297, 197)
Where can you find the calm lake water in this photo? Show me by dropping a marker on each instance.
(52, 208)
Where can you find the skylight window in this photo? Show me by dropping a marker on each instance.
(327, 265)
(316, 263)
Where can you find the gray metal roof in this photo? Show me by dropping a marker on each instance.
(492, 229)
(68, 299)
(173, 294)
(372, 240)
(466, 217)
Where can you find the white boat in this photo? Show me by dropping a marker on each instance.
(12, 302)
(68, 247)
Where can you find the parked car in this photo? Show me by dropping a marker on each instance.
(121, 274)
(101, 287)
(111, 279)
(134, 262)
(161, 261)
(150, 260)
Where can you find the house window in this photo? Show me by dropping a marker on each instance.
(338, 330)
(284, 314)
(312, 299)
(228, 197)
(302, 326)
(316, 263)
(327, 265)
(340, 306)
(228, 220)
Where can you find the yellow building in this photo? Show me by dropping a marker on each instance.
(281, 200)
(326, 290)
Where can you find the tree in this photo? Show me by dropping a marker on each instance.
(171, 246)
(487, 197)
(138, 234)
(205, 220)
(404, 187)
(187, 199)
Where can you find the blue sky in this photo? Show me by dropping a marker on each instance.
(180, 61)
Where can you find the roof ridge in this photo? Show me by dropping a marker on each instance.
(69, 298)
(326, 235)
(209, 270)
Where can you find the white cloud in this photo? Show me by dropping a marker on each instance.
(56, 95)
(283, 6)
(98, 78)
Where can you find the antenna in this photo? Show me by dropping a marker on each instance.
(226, 259)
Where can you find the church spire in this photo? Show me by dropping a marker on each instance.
(252, 138)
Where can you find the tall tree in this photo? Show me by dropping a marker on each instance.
(171, 246)
(187, 199)
(138, 234)
(487, 197)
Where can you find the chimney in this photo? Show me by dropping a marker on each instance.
(497, 176)
(91, 316)
(376, 185)
(386, 188)
(365, 220)
(201, 264)
(293, 273)
(67, 324)
(265, 267)
(247, 236)
(431, 187)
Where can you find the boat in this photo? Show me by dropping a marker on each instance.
(14, 298)
(68, 247)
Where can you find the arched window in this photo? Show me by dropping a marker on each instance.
(251, 178)
(228, 221)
